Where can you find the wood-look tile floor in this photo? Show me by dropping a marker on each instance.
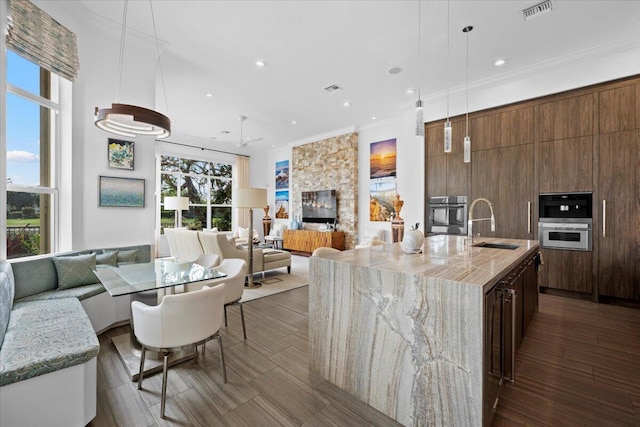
(579, 365)
(269, 383)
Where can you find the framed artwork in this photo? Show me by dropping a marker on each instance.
(282, 204)
(121, 192)
(120, 154)
(382, 159)
(282, 174)
(381, 198)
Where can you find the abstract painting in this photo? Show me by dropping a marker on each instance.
(282, 204)
(121, 192)
(282, 174)
(120, 154)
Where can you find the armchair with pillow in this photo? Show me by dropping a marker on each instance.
(373, 237)
(276, 234)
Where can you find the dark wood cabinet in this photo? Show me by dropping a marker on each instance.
(567, 270)
(505, 177)
(565, 165)
(620, 109)
(530, 289)
(569, 117)
(619, 204)
(446, 173)
(516, 127)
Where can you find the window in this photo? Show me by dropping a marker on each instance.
(207, 185)
(31, 186)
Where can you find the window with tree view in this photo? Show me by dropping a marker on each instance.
(207, 185)
(31, 118)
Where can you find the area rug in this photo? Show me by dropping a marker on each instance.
(277, 281)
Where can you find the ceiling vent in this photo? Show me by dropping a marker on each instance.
(537, 10)
(332, 88)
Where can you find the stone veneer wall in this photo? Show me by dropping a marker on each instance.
(329, 164)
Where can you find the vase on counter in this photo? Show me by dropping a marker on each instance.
(412, 241)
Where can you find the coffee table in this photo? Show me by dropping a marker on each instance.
(147, 283)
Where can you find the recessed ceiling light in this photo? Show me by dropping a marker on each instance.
(225, 132)
(208, 94)
(394, 70)
(411, 91)
(373, 118)
(293, 122)
(347, 104)
(500, 62)
(260, 63)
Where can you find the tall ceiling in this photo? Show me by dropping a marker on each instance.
(212, 46)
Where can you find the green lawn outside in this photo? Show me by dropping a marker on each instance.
(33, 222)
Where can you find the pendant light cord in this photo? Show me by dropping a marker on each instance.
(419, 47)
(467, 117)
(155, 34)
(121, 59)
(448, 49)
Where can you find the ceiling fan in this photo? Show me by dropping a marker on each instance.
(245, 141)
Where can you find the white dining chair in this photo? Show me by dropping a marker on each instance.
(235, 270)
(179, 322)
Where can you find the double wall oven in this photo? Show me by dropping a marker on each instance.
(447, 215)
(566, 221)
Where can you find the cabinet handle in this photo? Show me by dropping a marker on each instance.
(604, 218)
(529, 217)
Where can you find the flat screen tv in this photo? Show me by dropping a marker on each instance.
(319, 206)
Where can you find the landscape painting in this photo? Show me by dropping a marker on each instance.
(382, 194)
(121, 192)
(382, 159)
(282, 204)
(282, 174)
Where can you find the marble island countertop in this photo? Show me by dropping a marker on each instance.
(445, 257)
(404, 333)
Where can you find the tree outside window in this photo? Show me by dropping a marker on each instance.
(208, 186)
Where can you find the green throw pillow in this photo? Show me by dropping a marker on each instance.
(107, 258)
(74, 271)
(127, 257)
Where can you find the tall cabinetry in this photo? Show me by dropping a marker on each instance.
(565, 134)
(582, 140)
(619, 193)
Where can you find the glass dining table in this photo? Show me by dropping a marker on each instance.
(148, 283)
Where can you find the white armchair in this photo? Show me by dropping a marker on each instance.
(217, 243)
(235, 269)
(185, 245)
(181, 321)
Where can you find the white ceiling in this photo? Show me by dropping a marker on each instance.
(308, 45)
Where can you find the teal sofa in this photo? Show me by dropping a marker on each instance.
(51, 309)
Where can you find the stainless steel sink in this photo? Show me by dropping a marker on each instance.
(496, 245)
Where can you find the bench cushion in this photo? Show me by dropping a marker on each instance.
(7, 290)
(46, 336)
(80, 292)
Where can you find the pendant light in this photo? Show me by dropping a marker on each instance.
(447, 124)
(419, 116)
(130, 120)
(467, 138)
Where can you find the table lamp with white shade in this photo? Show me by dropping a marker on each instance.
(250, 198)
(178, 204)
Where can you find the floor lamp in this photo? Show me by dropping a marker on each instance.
(250, 198)
(178, 204)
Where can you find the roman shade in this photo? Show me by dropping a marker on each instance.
(36, 36)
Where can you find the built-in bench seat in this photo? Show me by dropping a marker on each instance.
(51, 308)
(46, 336)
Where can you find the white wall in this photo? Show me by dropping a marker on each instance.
(98, 50)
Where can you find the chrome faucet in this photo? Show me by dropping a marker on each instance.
(471, 220)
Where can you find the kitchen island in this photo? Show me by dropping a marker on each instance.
(405, 332)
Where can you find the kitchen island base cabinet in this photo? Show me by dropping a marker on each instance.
(406, 334)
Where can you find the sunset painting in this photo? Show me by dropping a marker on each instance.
(382, 159)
